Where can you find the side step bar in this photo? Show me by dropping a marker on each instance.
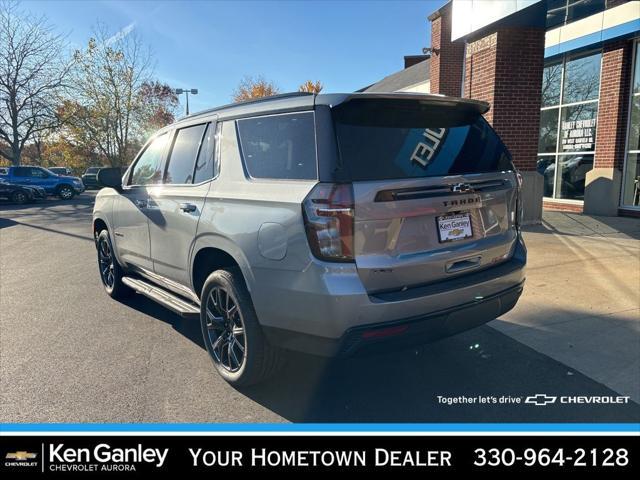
(163, 297)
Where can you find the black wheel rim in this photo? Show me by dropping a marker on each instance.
(105, 261)
(225, 330)
(20, 197)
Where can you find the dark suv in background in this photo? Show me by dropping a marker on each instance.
(89, 178)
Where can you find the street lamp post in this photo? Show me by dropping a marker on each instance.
(187, 91)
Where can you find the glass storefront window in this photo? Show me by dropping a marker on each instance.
(551, 77)
(560, 12)
(631, 186)
(568, 118)
(548, 131)
(634, 123)
(577, 9)
(546, 166)
(578, 127)
(572, 174)
(556, 13)
(581, 79)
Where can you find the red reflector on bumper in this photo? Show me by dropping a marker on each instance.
(385, 332)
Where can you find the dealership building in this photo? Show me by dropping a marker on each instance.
(563, 81)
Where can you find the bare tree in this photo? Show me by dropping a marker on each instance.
(108, 101)
(254, 87)
(32, 74)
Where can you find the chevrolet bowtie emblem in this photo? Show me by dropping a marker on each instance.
(461, 188)
(20, 455)
(540, 399)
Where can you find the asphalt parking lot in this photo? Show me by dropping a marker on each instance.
(68, 353)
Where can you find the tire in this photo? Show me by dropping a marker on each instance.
(231, 332)
(111, 272)
(65, 192)
(19, 197)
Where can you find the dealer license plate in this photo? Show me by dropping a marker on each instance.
(454, 227)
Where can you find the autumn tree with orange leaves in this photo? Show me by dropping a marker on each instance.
(254, 87)
(311, 86)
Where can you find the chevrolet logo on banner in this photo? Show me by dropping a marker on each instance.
(21, 456)
(540, 399)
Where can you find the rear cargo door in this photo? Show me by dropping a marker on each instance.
(434, 188)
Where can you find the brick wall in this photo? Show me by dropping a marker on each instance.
(612, 110)
(480, 71)
(504, 68)
(446, 56)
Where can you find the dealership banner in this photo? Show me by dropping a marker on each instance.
(58, 455)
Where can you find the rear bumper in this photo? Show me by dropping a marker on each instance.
(402, 333)
(328, 312)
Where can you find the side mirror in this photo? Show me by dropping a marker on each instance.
(110, 177)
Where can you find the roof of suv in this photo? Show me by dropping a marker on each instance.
(296, 101)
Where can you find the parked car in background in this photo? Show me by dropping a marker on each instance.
(65, 187)
(61, 170)
(89, 177)
(20, 193)
(328, 224)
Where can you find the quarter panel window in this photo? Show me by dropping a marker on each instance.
(206, 167)
(279, 146)
(148, 168)
(183, 154)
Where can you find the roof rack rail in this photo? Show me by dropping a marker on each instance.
(248, 102)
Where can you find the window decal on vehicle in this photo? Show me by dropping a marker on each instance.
(425, 149)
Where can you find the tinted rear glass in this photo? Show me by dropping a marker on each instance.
(183, 154)
(279, 146)
(381, 144)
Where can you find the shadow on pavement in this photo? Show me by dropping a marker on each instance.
(52, 215)
(581, 225)
(404, 386)
(187, 328)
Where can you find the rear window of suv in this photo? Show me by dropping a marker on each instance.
(279, 146)
(393, 141)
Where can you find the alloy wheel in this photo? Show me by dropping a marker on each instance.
(225, 329)
(66, 193)
(105, 260)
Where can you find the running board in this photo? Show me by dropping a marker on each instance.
(163, 297)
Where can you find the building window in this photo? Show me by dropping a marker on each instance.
(631, 187)
(561, 12)
(568, 116)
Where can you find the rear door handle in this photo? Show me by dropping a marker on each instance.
(188, 207)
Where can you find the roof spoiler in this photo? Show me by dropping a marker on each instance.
(477, 106)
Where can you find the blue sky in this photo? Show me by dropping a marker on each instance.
(210, 45)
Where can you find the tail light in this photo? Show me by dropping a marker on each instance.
(328, 216)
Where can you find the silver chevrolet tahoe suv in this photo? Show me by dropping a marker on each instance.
(328, 224)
